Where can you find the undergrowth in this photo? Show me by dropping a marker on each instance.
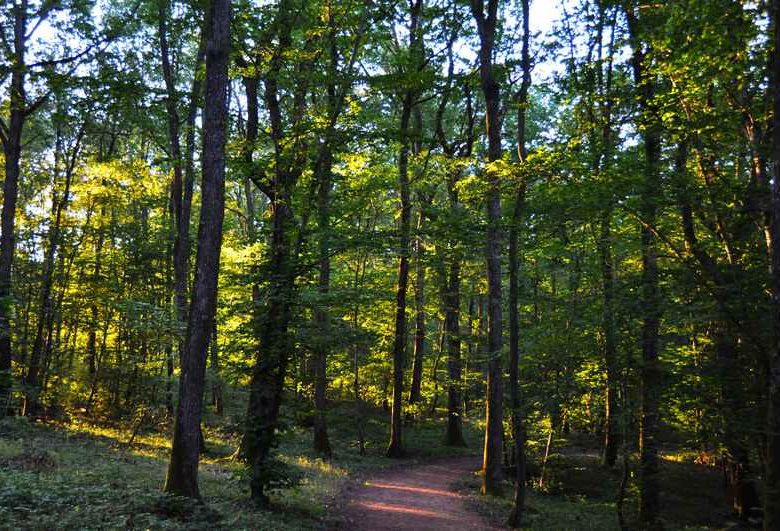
(82, 475)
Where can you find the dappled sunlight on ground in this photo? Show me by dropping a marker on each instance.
(377, 506)
(416, 490)
(414, 497)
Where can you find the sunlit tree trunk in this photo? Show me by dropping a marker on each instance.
(487, 18)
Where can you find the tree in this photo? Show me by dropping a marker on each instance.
(26, 17)
(772, 494)
(649, 125)
(409, 97)
(514, 324)
(182, 477)
(487, 21)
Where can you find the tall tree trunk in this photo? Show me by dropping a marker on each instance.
(270, 367)
(772, 491)
(323, 170)
(518, 427)
(454, 368)
(273, 325)
(46, 309)
(395, 448)
(183, 166)
(419, 319)
(11, 136)
(321, 442)
(217, 387)
(611, 433)
(649, 124)
(491, 463)
(182, 477)
(603, 93)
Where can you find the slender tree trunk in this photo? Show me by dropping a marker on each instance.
(611, 433)
(486, 25)
(518, 426)
(650, 297)
(12, 150)
(419, 309)
(395, 448)
(772, 490)
(217, 387)
(452, 331)
(270, 368)
(273, 325)
(46, 309)
(183, 166)
(321, 442)
(182, 478)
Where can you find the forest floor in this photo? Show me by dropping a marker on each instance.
(79, 475)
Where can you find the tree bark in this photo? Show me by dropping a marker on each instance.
(454, 367)
(182, 477)
(650, 296)
(395, 448)
(183, 167)
(12, 149)
(273, 325)
(419, 319)
(321, 442)
(518, 426)
(772, 490)
(611, 432)
(486, 18)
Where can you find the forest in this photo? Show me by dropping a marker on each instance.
(390, 264)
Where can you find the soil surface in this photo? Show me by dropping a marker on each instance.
(414, 498)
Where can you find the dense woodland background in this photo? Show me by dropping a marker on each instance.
(272, 218)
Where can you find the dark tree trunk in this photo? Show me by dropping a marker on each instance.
(92, 333)
(321, 442)
(217, 388)
(323, 169)
(486, 25)
(182, 477)
(183, 167)
(273, 325)
(611, 432)
(772, 491)
(603, 93)
(452, 332)
(268, 376)
(395, 448)
(518, 426)
(650, 297)
(11, 135)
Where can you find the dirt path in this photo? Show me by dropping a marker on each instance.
(414, 498)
